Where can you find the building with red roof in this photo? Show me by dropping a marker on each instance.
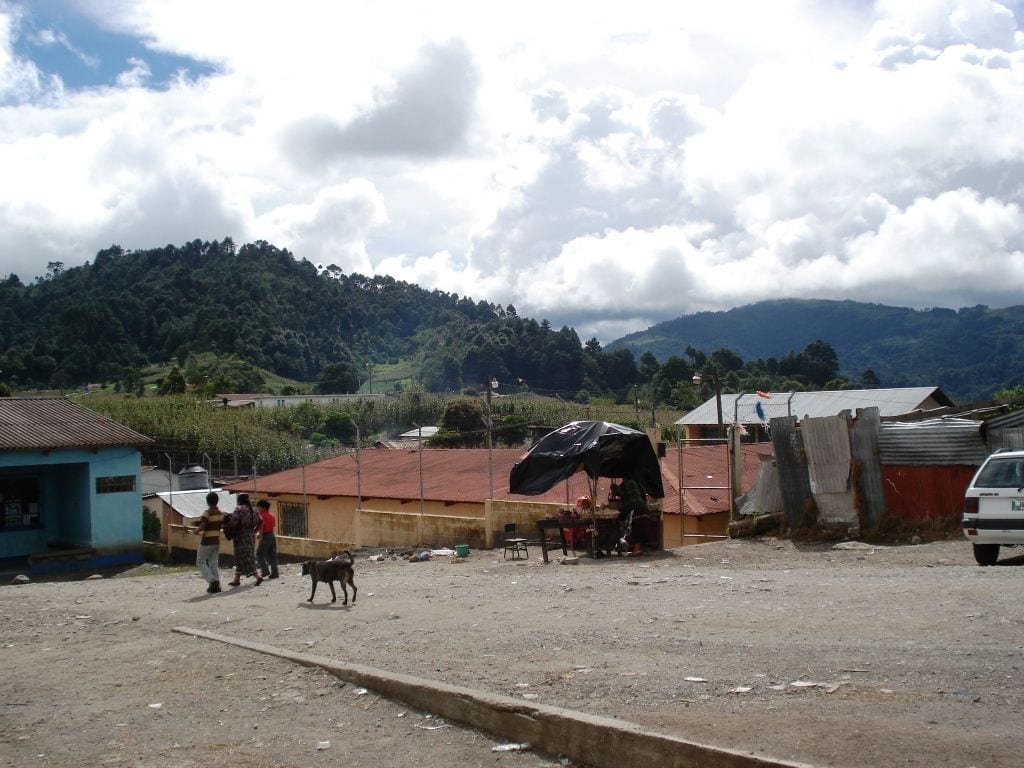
(440, 497)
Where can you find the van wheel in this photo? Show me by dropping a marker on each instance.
(986, 554)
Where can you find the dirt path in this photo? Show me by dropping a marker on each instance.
(858, 657)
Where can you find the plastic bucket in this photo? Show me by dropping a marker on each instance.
(462, 550)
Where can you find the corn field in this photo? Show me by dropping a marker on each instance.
(234, 442)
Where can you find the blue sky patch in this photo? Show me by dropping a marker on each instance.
(61, 41)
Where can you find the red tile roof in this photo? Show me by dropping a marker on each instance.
(461, 475)
(41, 423)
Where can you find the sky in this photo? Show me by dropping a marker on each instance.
(601, 165)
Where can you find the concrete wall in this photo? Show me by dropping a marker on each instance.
(379, 528)
(116, 518)
(332, 519)
(524, 514)
(334, 525)
(394, 524)
(182, 543)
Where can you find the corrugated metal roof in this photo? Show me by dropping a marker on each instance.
(1011, 419)
(188, 504)
(890, 403)
(415, 434)
(43, 423)
(933, 442)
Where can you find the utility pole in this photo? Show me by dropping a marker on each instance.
(490, 462)
(712, 370)
(359, 473)
(170, 481)
(419, 441)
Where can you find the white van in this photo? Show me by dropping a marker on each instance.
(994, 506)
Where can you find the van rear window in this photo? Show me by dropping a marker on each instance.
(1001, 473)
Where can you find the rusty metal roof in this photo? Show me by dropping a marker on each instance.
(450, 475)
(454, 475)
(45, 423)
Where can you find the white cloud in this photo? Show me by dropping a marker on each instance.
(20, 79)
(598, 165)
(332, 229)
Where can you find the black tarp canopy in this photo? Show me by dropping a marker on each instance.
(599, 448)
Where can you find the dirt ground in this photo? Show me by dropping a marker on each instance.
(856, 657)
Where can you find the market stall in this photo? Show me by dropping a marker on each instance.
(600, 449)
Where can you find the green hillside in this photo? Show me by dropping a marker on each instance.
(211, 316)
(258, 313)
(970, 353)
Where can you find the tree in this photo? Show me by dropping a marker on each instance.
(619, 369)
(869, 379)
(465, 417)
(675, 370)
(649, 366)
(338, 378)
(726, 360)
(150, 526)
(697, 357)
(819, 362)
(510, 430)
(173, 383)
(836, 384)
(338, 426)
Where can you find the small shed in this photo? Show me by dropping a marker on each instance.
(70, 486)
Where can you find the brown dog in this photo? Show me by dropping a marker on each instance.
(334, 570)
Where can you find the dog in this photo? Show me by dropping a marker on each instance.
(334, 570)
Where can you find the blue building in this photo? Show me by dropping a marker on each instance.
(70, 487)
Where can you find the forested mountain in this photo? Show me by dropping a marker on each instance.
(104, 321)
(970, 353)
(257, 306)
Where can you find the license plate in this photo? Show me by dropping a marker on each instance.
(1017, 505)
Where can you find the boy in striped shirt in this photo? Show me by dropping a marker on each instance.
(208, 551)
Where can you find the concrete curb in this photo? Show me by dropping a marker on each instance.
(600, 742)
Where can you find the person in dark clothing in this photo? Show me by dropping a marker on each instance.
(245, 522)
(635, 515)
(266, 550)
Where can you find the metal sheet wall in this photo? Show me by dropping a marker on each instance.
(791, 460)
(827, 442)
(926, 493)
(867, 470)
(937, 442)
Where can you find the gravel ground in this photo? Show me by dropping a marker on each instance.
(860, 656)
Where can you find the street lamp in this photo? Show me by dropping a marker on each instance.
(712, 371)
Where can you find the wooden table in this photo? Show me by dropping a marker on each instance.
(561, 524)
(604, 536)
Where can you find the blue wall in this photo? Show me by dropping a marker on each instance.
(72, 513)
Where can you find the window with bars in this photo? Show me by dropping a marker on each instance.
(293, 519)
(19, 502)
(116, 484)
